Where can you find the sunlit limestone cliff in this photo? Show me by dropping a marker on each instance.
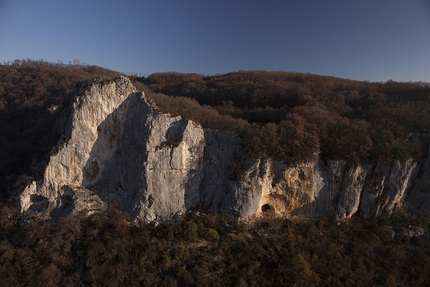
(119, 148)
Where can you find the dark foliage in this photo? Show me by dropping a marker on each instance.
(204, 249)
(344, 119)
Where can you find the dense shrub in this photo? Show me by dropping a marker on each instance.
(202, 249)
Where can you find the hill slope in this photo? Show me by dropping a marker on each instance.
(300, 113)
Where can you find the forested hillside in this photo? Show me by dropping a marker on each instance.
(204, 249)
(292, 115)
(288, 116)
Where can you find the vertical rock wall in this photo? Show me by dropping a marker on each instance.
(119, 148)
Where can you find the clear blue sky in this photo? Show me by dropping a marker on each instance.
(373, 40)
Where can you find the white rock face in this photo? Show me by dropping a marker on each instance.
(119, 148)
(62, 190)
(350, 195)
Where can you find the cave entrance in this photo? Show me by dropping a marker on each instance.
(267, 208)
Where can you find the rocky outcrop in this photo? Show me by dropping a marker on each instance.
(118, 147)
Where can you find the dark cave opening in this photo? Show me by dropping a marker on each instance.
(267, 208)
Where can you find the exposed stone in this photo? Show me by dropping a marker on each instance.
(117, 147)
(349, 201)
